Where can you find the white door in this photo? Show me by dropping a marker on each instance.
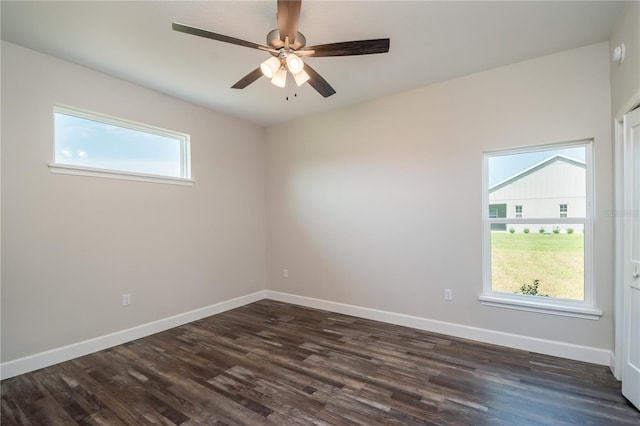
(631, 278)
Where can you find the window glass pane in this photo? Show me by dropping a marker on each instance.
(538, 181)
(91, 143)
(543, 264)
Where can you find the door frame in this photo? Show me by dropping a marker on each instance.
(618, 222)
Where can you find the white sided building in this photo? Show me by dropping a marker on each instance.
(552, 188)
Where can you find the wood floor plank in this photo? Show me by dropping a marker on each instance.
(272, 363)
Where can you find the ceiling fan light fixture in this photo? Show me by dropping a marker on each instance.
(280, 77)
(294, 63)
(287, 46)
(301, 77)
(270, 67)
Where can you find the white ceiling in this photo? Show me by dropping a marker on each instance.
(430, 42)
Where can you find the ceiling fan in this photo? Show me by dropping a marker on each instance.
(287, 47)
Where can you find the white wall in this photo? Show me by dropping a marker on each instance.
(72, 245)
(625, 77)
(379, 205)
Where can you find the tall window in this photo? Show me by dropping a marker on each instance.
(544, 262)
(518, 211)
(95, 143)
(563, 210)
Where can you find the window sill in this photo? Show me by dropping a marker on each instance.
(114, 174)
(541, 307)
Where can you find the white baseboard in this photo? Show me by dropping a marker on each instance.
(65, 353)
(613, 366)
(531, 344)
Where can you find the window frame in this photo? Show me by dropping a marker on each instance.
(586, 308)
(80, 170)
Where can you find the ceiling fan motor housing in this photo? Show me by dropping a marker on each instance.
(273, 40)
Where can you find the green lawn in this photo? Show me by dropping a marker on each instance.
(557, 260)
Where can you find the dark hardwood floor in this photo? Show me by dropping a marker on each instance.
(271, 363)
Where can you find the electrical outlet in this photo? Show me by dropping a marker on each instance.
(126, 299)
(285, 273)
(448, 294)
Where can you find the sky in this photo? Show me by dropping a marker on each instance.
(89, 143)
(504, 166)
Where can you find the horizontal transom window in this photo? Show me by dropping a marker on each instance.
(99, 143)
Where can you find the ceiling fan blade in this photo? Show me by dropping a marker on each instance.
(215, 36)
(288, 18)
(248, 79)
(317, 82)
(350, 48)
